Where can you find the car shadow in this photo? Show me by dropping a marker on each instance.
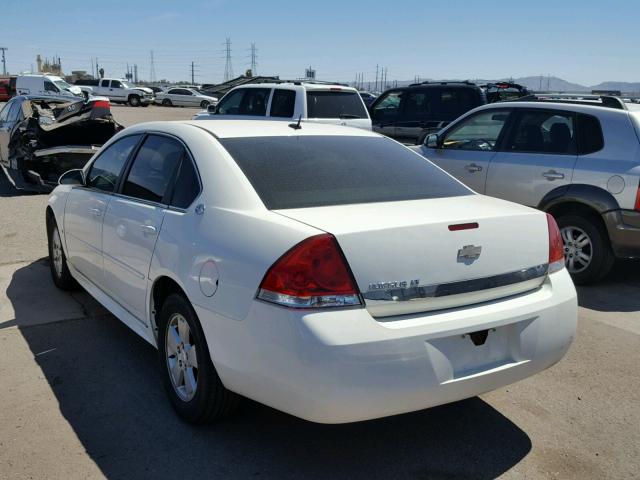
(107, 384)
(618, 292)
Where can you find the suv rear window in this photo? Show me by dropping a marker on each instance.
(334, 104)
(315, 171)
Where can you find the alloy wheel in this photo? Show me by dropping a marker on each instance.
(56, 252)
(578, 249)
(182, 361)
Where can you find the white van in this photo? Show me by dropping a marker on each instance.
(45, 85)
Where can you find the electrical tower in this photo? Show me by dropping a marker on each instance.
(254, 57)
(152, 70)
(4, 60)
(228, 69)
(193, 74)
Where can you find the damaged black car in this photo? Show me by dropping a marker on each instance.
(41, 137)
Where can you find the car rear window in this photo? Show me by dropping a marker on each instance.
(315, 171)
(334, 104)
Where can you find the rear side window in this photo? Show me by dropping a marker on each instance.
(455, 101)
(314, 171)
(543, 131)
(153, 168)
(187, 186)
(283, 103)
(590, 138)
(334, 104)
(107, 168)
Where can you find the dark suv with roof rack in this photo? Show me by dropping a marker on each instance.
(409, 114)
(574, 156)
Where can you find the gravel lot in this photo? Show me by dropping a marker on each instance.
(82, 398)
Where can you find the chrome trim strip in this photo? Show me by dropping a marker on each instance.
(457, 288)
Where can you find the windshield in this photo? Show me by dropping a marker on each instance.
(62, 85)
(314, 171)
(127, 84)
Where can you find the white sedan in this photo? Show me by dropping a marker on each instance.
(184, 97)
(328, 272)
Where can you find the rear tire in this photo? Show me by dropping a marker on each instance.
(57, 259)
(191, 381)
(588, 255)
(166, 103)
(134, 101)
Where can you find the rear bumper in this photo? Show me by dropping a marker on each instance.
(624, 232)
(346, 366)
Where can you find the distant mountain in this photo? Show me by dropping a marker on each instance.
(628, 87)
(550, 84)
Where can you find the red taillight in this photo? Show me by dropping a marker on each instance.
(556, 247)
(637, 205)
(102, 104)
(312, 274)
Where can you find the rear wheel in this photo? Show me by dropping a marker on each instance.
(166, 102)
(57, 260)
(134, 101)
(588, 255)
(190, 379)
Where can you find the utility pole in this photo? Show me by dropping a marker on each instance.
(254, 57)
(228, 68)
(135, 73)
(97, 70)
(4, 60)
(152, 70)
(376, 78)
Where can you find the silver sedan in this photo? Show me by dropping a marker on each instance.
(184, 97)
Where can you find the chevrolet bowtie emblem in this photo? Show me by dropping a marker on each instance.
(469, 253)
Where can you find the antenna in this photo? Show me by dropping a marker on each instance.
(296, 126)
(228, 69)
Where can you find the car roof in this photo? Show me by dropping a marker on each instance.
(254, 128)
(549, 105)
(297, 85)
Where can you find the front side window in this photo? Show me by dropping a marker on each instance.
(153, 168)
(106, 170)
(542, 131)
(388, 107)
(116, 84)
(480, 132)
(49, 86)
(245, 101)
(337, 170)
(4, 113)
(230, 103)
(283, 103)
(334, 104)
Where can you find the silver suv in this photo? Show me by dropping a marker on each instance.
(576, 158)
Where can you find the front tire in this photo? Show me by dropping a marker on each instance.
(204, 104)
(134, 101)
(588, 255)
(166, 103)
(190, 379)
(57, 259)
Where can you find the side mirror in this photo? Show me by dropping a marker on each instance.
(72, 177)
(432, 141)
(212, 108)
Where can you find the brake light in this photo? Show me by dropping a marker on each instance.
(556, 246)
(102, 104)
(637, 205)
(313, 274)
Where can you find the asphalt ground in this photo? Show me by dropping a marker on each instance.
(81, 396)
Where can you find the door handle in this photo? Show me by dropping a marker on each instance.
(473, 168)
(148, 229)
(553, 175)
(95, 212)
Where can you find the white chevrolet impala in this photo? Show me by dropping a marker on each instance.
(328, 272)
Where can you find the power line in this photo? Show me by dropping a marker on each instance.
(228, 68)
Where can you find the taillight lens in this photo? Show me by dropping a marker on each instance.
(556, 246)
(313, 274)
(101, 104)
(637, 205)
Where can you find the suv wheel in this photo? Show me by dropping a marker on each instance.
(134, 101)
(190, 379)
(588, 255)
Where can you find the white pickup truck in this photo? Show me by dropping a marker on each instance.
(119, 91)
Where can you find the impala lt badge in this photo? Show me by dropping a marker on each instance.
(468, 254)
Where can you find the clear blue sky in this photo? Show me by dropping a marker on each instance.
(581, 41)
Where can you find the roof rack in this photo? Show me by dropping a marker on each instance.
(606, 101)
(316, 82)
(442, 82)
